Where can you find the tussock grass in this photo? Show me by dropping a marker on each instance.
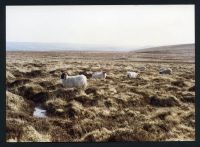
(152, 107)
(29, 134)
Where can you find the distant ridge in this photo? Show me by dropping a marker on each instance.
(182, 48)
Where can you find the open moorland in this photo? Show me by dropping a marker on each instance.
(151, 107)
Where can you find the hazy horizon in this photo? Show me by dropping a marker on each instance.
(43, 46)
(128, 26)
(51, 46)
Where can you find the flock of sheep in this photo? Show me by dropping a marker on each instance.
(80, 81)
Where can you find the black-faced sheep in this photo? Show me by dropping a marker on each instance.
(78, 81)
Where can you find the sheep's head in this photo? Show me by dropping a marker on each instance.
(63, 75)
(104, 73)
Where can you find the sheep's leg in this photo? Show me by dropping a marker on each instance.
(81, 92)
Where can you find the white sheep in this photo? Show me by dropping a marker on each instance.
(99, 75)
(78, 81)
(132, 74)
(165, 71)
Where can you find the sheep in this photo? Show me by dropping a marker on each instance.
(99, 75)
(78, 81)
(132, 74)
(165, 71)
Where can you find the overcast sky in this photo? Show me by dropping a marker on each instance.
(150, 25)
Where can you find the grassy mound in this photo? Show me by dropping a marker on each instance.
(29, 134)
(15, 102)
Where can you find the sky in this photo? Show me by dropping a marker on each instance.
(119, 25)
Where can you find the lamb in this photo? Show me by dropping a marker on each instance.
(165, 71)
(99, 75)
(132, 74)
(78, 81)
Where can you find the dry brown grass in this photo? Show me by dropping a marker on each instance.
(152, 107)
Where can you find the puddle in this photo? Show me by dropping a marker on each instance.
(39, 112)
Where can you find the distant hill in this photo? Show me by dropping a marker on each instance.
(36, 46)
(171, 49)
(171, 53)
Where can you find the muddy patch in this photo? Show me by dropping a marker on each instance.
(18, 82)
(34, 73)
(163, 102)
(179, 83)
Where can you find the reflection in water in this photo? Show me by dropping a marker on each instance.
(39, 112)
